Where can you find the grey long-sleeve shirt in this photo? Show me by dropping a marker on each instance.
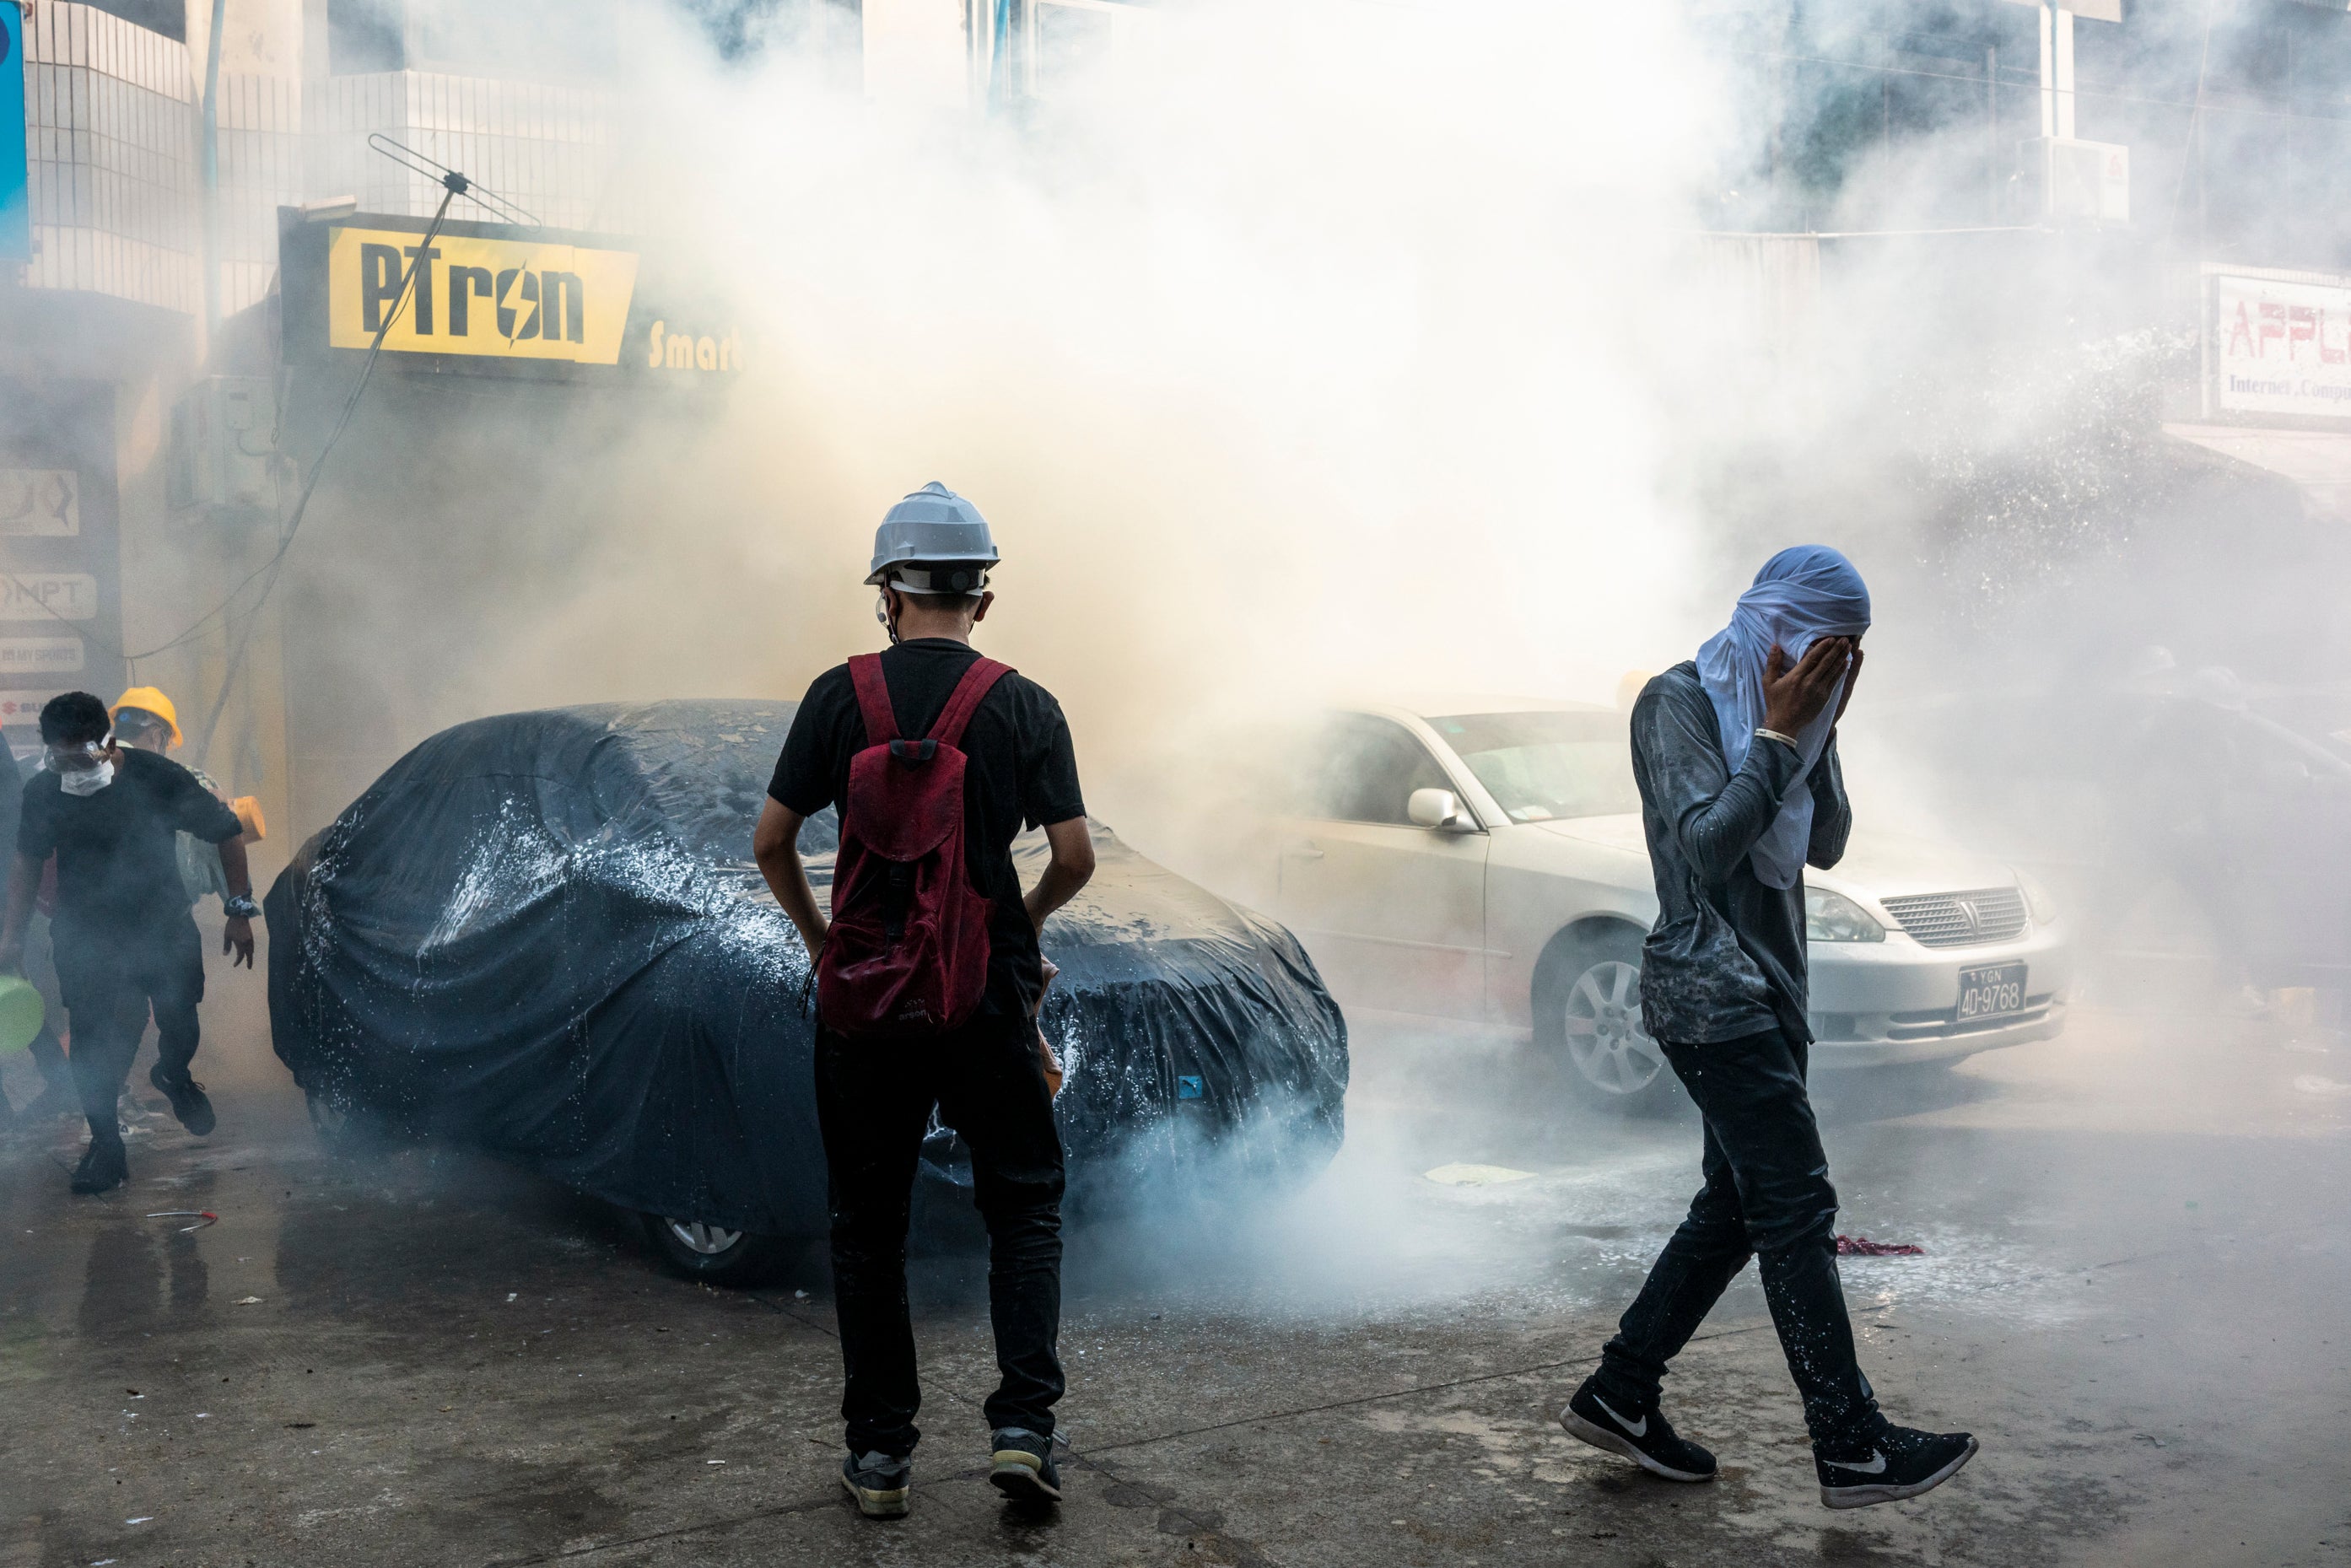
(1726, 958)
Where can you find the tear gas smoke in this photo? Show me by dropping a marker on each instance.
(1354, 347)
(1320, 361)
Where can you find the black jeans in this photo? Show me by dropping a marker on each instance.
(1767, 1194)
(873, 1102)
(109, 978)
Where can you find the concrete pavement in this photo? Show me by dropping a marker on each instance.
(2137, 1258)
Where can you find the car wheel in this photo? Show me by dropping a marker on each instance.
(701, 1250)
(1587, 1011)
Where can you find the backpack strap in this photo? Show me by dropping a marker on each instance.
(873, 699)
(977, 683)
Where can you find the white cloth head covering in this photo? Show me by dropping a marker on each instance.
(1802, 594)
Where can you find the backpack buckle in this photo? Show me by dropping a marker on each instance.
(911, 752)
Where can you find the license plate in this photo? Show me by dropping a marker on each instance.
(1990, 992)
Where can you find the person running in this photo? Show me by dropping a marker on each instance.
(146, 720)
(928, 977)
(121, 935)
(1735, 755)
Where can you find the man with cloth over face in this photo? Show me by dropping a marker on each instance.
(1736, 758)
(985, 1077)
(121, 935)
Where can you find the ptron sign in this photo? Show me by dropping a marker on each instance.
(491, 299)
(503, 298)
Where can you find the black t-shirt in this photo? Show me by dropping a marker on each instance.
(117, 858)
(1020, 771)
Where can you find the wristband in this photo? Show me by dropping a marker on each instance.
(1787, 740)
(241, 907)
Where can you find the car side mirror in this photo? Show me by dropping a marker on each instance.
(1437, 809)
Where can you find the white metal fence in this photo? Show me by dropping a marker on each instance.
(113, 130)
(111, 153)
(262, 168)
(549, 149)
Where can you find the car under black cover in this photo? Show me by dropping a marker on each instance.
(540, 935)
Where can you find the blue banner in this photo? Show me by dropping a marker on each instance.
(16, 221)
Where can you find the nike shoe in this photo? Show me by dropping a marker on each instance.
(1899, 1462)
(187, 1098)
(103, 1167)
(1643, 1436)
(879, 1483)
(1024, 1468)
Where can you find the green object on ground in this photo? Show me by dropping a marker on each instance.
(21, 1012)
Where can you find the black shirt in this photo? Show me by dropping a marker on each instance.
(117, 858)
(1020, 771)
(1726, 958)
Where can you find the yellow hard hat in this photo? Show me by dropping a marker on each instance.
(148, 699)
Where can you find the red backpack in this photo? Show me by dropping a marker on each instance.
(907, 953)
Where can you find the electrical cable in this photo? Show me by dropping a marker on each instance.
(453, 186)
(441, 175)
(2195, 124)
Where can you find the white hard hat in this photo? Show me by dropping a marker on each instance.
(933, 527)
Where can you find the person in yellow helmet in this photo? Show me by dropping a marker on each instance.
(145, 717)
(146, 720)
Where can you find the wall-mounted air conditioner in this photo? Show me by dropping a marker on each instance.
(224, 435)
(2077, 183)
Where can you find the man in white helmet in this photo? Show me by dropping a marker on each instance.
(875, 1092)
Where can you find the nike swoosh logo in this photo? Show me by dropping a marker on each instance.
(1875, 1466)
(1641, 1427)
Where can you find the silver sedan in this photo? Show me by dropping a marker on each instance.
(1481, 862)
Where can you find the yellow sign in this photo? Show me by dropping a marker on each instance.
(497, 298)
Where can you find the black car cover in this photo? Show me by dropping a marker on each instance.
(541, 936)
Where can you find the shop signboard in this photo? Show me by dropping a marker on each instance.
(495, 299)
(41, 655)
(15, 213)
(500, 298)
(60, 563)
(47, 596)
(2278, 344)
(40, 501)
(24, 707)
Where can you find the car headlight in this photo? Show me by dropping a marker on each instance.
(1834, 917)
(2037, 900)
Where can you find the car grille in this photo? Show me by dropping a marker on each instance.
(1960, 919)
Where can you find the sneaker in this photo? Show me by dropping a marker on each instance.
(187, 1098)
(1642, 1436)
(1024, 1468)
(879, 1483)
(103, 1169)
(1899, 1462)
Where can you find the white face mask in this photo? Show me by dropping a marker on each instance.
(86, 780)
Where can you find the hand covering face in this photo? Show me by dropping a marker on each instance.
(1802, 594)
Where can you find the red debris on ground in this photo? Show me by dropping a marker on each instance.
(1863, 1247)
